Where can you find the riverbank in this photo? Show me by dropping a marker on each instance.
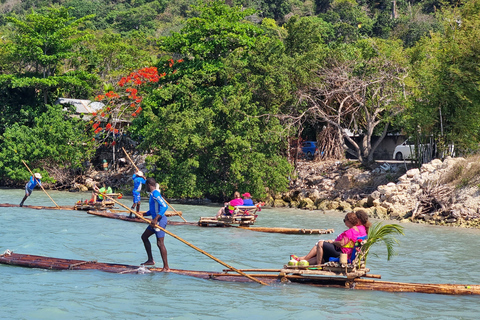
(440, 192)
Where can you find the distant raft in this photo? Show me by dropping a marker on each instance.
(270, 276)
(113, 215)
(288, 230)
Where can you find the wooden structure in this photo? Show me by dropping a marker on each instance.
(288, 230)
(266, 275)
(10, 205)
(113, 215)
(99, 205)
(101, 211)
(227, 221)
(241, 216)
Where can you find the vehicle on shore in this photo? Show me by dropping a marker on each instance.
(309, 149)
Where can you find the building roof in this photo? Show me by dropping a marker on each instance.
(82, 106)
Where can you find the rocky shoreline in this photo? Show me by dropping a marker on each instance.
(440, 192)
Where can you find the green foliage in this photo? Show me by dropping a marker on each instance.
(110, 55)
(382, 233)
(349, 21)
(445, 100)
(207, 134)
(37, 46)
(275, 9)
(41, 41)
(217, 31)
(306, 34)
(55, 140)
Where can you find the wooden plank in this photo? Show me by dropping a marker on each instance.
(325, 281)
(289, 230)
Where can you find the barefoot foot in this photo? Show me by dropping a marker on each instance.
(148, 263)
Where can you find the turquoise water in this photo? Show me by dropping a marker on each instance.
(427, 254)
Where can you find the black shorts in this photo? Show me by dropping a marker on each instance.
(330, 251)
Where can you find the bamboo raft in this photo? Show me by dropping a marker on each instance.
(243, 216)
(270, 276)
(113, 215)
(288, 230)
(9, 205)
(85, 206)
(227, 221)
(82, 207)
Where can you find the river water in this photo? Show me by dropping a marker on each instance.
(427, 254)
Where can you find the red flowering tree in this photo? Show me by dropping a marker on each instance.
(123, 104)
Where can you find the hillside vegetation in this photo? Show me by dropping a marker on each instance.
(219, 93)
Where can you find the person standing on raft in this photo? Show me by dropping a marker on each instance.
(138, 179)
(157, 208)
(32, 183)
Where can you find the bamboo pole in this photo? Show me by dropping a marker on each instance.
(288, 230)
(40, 184)
(179, 213)
(189, 244)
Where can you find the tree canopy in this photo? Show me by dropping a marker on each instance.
(218, 92)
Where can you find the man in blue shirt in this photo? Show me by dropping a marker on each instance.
(32, 183)
(157, 208)
(138, 180)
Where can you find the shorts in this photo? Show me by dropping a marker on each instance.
(330, 251)
(162, 223)
(28, 191)
(136, 197)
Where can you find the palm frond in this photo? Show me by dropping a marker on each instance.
(385, 233)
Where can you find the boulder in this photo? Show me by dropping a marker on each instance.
(332, 205)
(345, 206)
(412, 172)
(321, 204)
(362, 203)
(279, 203)
(344, 182)
(380, 213)
(306, 203)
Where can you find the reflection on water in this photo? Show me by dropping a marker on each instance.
(427, 254)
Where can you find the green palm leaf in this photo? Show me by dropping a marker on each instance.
(385, 233)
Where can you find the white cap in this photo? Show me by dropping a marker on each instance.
(139, 173)
(38, 175)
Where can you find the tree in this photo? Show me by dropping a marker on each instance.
(54, 143)
(349, 21)
(445, 101)
(39, 43)
(206, 139)
(357, 93)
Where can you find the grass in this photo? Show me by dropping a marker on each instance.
(464, 173)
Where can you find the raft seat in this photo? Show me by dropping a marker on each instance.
(358, 247)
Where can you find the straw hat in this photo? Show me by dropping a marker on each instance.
(139, 173)
(38, 175)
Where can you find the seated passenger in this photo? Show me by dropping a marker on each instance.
(344, 243)
(229, 206)
(99, 192)
(363, 220)
(247, 199)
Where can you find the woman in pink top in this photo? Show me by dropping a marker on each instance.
(237, 201)
(344, 243)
